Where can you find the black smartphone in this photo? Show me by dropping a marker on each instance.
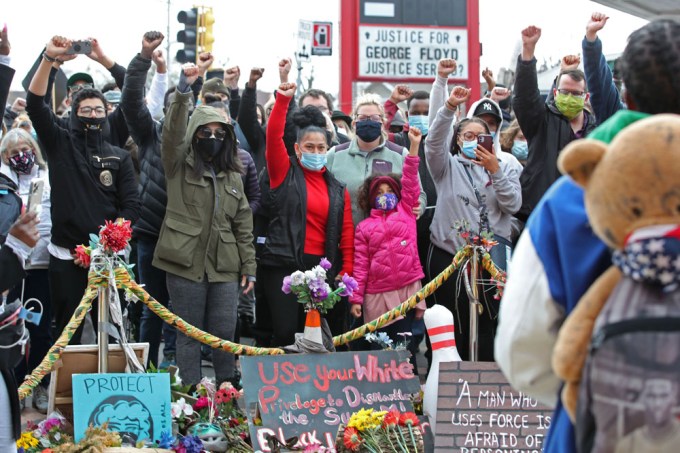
(80, 47)
(486, 142)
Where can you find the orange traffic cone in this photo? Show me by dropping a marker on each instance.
(313, 326)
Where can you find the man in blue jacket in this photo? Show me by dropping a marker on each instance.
(558, 256)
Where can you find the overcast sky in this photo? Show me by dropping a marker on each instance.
(260, 32)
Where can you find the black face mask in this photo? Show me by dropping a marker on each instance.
(208, 148)
(92, 124)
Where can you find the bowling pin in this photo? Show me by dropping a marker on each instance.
(440, 328)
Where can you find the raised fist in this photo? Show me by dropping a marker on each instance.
(459, 95)
(231, 76)
(499, 94)
(414, 135)
(530, 36)
(596, 23)
(159, 61)
(284, 69)
(255, 75)
(287, 89)
(150, 42)
(4, 42)
(446, 67)
(487, 74)
(569, 62)
(191, 72)
(205, 60)
(401, 93)
(57, 46)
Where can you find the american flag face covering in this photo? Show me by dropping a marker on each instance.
(652, 255)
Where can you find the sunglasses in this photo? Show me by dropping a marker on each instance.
(206, 132)
(82, 86)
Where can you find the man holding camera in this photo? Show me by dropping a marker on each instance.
(117, 131)
(92, 181)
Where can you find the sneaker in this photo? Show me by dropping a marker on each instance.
(40, 399)
(168, 361)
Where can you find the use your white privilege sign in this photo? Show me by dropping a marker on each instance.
(410, 52)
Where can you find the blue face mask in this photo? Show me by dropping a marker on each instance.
(312, 161)
(419, 121)
(520, 149)
(470, 149)
(493, 135)
(368, 130)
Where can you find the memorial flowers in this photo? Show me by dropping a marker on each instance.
(313, 291)
(48, 434)
(113, 238)
(214, 417)
(381, 431)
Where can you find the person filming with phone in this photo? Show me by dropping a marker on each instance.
(474, 186)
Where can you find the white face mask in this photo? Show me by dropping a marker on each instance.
(342, 130)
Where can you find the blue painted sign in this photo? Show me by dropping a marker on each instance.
(135, 405)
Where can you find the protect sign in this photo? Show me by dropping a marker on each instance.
(410, 52)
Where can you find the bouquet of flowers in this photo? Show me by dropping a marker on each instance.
(384, 341)
(48, 434)
(215, 417)
(113, 238)
(313, 291)
(375, 432)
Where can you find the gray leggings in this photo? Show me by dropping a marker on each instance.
(210, 307)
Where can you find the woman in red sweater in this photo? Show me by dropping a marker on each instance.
(310, 217)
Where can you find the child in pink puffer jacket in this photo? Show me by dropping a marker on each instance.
(386, 263)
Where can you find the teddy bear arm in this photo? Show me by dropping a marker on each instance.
(574, 337)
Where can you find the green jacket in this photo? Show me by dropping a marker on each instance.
(208, 225)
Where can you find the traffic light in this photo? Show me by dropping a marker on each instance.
(206, 19)
(188, 36)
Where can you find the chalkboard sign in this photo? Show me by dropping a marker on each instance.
(477, 410)
(135, 405)
(310, 395)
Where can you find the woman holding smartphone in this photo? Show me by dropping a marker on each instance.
(22, 162)
(476, 186)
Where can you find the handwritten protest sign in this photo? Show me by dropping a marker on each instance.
(478, 411)
(135, 405)
(310, 395)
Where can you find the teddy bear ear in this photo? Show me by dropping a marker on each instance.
(580, 158)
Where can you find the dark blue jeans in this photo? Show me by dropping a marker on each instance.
(154, 279)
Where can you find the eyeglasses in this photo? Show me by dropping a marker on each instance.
(369, 117)
(469, 136)
(87, 111)
(206, 132)
(578, 94)
(80, 86)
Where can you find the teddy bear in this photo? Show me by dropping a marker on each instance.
(631, 185)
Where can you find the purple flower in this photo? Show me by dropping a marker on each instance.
(286, 284)
(192, 444)
(325, 263)
(320, 292)
(349, 285)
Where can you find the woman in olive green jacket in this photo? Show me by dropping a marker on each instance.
(206, 241)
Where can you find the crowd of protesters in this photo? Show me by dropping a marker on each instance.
(227, 196)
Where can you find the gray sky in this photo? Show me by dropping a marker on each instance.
(259, 32)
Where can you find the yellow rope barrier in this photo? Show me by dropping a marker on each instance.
(123, 281)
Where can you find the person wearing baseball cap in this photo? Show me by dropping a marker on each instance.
(216, 86)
